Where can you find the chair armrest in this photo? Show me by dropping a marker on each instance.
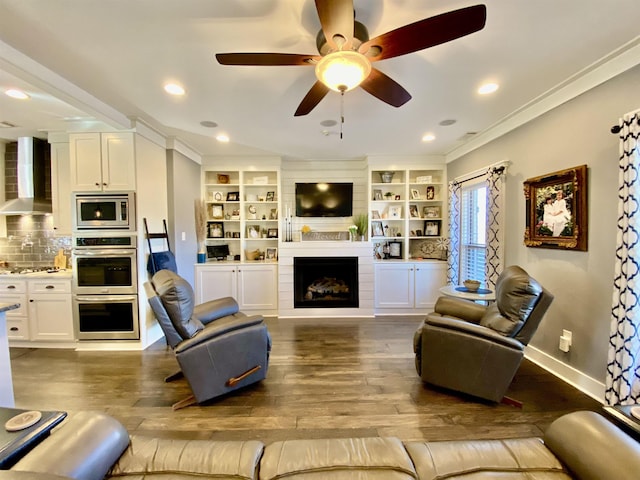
(220, 327)
(457, 307)
(448, 323)
(214, 309)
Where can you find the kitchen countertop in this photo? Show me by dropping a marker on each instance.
(56, 274)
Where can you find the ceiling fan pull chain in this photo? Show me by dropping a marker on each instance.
(341, 112)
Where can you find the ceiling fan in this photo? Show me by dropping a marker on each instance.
(346, 52)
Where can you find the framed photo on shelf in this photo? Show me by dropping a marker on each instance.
(431, 193)
(217, 211)
(273, 215)
(395, 249)
(272, 233)
(253, 231)
(415, 194)
(271, 196)
(432, 228)
(376, 229)
(377, 194)
(233, 196)
(395, 212)
(272, 254)
(432, 212)
(413, 211)
(375, 214)
(216, 229)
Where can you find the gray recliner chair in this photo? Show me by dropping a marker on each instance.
(219, 349)
(477, 349)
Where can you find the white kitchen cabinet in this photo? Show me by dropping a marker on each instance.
(102, 161)
(45, 312)
(254, 286)
(408, 287)
(61, 188)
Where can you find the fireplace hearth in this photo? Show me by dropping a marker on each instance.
(325, 282)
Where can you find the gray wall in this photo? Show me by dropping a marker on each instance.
(184, 187)
(575, 133)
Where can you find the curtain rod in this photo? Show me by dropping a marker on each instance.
(616, 128)
(498, 170)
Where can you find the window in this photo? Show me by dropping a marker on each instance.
(473, 222)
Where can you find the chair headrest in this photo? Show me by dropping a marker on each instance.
(178, 300)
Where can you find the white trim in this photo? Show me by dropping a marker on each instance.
(590, 386)
(181, 147)
(481, 171)
(608, 67)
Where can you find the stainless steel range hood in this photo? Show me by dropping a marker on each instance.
(31, 170)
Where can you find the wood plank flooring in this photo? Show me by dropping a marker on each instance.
(327, 378)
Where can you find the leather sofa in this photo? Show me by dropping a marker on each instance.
(94, 446)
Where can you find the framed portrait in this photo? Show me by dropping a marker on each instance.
(395, 249)
(215, 229)
(418, 233)
(271, 254)
(376, 229)
(413, 211)
(233, 196)
(377, 194)
(375, 214)
(431, 193)
(556, 210)
(397, 197)
(271, 196)
(432, 212)
(273, 214)
(253, 231)
(217, 211)
(272, 233)
(415, 194)
(432, 228)
(395, 212)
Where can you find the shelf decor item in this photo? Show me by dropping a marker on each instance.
(361, 221)
(200, 209)
(386, 177)
(223, 178)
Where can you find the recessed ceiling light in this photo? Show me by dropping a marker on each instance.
(428, 137)
(208, 124)
(447, 122)
(174, 89)
(488, 88)
(222, 138)
(15, 93)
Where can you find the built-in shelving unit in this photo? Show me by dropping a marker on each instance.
(243, 212)
(407, 213)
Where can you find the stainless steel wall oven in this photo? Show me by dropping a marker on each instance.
(105, 286)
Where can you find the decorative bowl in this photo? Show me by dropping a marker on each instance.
(472, 285)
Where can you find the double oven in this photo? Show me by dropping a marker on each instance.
(105, 275)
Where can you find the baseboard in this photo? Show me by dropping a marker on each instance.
(594, 388)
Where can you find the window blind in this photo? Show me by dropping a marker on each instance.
(473, 221)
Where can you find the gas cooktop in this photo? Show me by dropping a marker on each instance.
(25, 270)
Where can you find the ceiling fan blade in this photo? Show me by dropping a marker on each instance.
(266, 59)
(385, 88)
(426, 33)
(312, 98)
(336, 18)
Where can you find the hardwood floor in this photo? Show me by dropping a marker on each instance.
(327, 378)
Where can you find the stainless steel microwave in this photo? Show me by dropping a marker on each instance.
(104, 211)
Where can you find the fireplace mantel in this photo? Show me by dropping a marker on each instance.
(289, 250)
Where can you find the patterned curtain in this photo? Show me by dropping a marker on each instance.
(453, 260)
(623, 365)
(493, 259)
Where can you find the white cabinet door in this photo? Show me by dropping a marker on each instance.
(61, 188)
(118, 162)
(394, 285)
(50, 317)
(257, 287)
(213, 282)
(86, 162)
(429, 277)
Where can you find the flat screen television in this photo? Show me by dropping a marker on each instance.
(324, 199)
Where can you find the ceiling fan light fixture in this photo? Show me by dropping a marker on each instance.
(343, 71)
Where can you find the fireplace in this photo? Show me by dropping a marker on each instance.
(325, 282)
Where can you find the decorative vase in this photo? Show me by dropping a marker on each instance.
(202, 257)
(386, 177)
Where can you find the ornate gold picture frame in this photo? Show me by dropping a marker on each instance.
(556, 210)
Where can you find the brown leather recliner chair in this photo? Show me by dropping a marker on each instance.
(477, 349)
(219, 349)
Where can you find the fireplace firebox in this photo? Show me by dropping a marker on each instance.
(325, 282)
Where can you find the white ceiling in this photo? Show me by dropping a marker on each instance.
(84, 61)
